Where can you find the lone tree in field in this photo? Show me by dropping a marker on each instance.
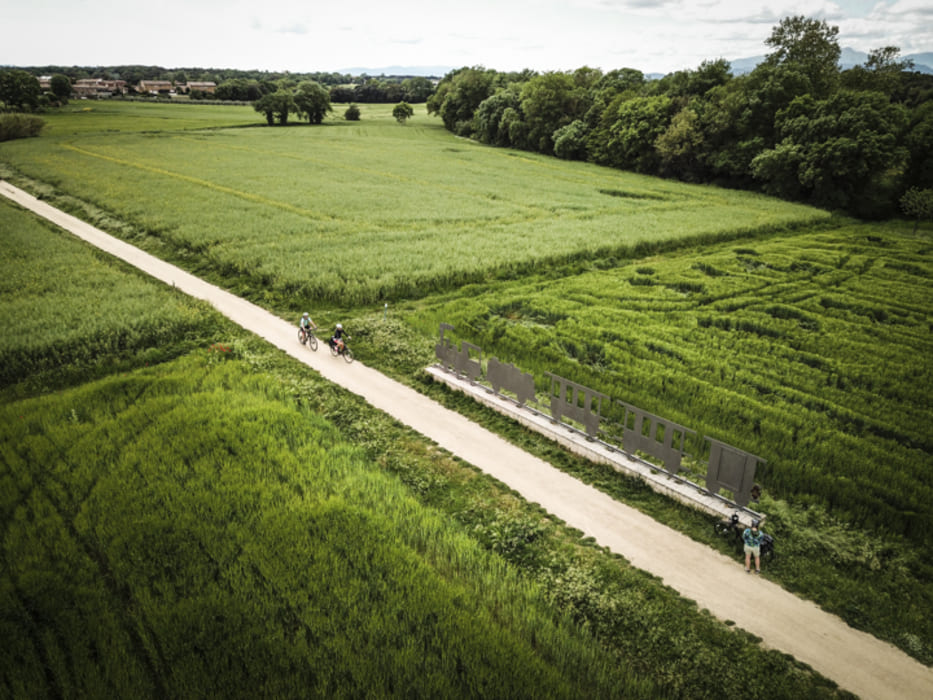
(402, 112)
(313, 101)
(918, 205)
(276, 106)
(352, 114)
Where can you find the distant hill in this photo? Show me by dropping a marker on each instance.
(923, 62)
(401, 71)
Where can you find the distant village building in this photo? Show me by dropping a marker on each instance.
(154, 87)
(203, 86)
(98, 87)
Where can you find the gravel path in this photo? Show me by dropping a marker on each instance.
(856, 661)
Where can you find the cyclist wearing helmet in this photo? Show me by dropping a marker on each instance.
(306, 324)
(752, 539)
(337, 339)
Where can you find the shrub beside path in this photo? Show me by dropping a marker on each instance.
(855, 660)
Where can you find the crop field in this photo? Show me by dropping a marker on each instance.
(181, 532)
(811, 349)
(72, 309)
(778, 328)
(355, 212)
(202, 525)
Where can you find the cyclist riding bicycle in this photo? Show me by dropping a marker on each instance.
(306, 324)
(337, 338)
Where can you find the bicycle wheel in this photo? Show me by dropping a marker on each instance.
(333, 350)
(302, 338)
(348, 355)
(312, 341)
(723, 528)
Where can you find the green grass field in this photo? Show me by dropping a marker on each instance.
(356, 212)
(778, 328)
(812, 349)
(227, 523)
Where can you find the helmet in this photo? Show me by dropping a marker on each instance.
(339, 326)
(754, 524)
(304, 315)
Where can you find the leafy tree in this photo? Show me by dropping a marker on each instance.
(710, 74)
(835, 152)
(352, 114)
(402, 112)
(549, 102)
(513, 124)
(570, 141)
(312, 100)
(621, 80)
(458, 96)
(276, 106)
(681, 145)
(342, 94)
(919, 143)
(632, 127)
(918, 205)
(239, 89)
(19, 90)
(812, 46)
(489, 122)
(60, 86)
(417, 89)
(882, 72)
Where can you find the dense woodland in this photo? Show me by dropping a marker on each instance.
(797, 126)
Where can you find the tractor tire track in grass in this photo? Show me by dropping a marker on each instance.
(855, 660)
(248, 196)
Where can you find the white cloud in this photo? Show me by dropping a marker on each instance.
(651, 35)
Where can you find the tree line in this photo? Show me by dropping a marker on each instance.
(247, 86)
(797, 126)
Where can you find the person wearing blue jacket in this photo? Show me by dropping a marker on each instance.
(752, 539)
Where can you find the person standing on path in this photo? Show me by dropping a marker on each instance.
(752, 539)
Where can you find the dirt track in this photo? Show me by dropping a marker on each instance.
(856, 661)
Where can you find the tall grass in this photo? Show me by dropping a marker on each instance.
(182, 531)
(228, 523)
(820, 366)
(352, 213)
(66, 307)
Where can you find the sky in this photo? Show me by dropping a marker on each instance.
(303, 36)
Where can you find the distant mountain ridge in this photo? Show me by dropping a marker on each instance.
(401, 71)
(923, 62)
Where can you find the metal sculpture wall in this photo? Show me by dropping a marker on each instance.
(512, 379)
(463, 361)
(641, 432)
(654, 436)
(733, 469)
(577, 404)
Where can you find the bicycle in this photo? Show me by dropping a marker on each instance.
(341, 349)
(307, 338)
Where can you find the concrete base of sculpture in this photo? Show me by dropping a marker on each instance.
(577, 442)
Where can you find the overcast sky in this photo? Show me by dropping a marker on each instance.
(654, 36)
